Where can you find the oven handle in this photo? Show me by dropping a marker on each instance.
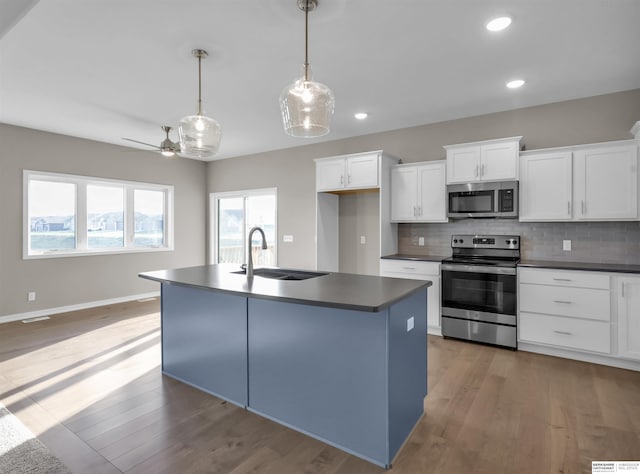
(478, 269)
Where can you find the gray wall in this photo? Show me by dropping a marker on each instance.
(76, 280)
(591, 120)
(359, 216)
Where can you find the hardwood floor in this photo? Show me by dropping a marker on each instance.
(88, 384)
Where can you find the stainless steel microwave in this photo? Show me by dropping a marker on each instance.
(485, 199)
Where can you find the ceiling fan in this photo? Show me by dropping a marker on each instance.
(167, 147)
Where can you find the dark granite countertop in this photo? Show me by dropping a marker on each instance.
(336, 290)
(586, 266)
(416, 258)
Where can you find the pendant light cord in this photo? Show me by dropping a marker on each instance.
(306, 42)
(199, 84)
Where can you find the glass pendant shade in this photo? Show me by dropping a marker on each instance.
(199, 136)
(307, 107)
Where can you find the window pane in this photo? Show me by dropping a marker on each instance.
(149, 218)
(105, 216)
(230, 230)
(52, 209)
(261, 212)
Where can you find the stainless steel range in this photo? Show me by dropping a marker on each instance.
(479, 289)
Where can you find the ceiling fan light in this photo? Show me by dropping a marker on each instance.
(307, 107)
(199, 136)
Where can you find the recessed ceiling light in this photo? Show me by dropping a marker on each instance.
(361, 115)
(499, 23)
(515, 84)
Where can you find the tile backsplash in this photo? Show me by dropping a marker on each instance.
(598, 242)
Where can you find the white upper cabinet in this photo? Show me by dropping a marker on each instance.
(606, 183)
(359, 171)
(490, 160)
(418, 192)
(591, 182)
(545, 187)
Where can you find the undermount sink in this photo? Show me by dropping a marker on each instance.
(282, 274)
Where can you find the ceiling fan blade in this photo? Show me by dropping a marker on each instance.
(142, 143)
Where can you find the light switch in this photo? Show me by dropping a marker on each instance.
(363, 239)
(287, 238)
(566, 245)
(410, 324)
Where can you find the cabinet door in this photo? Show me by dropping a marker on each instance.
(404, 194)
(330, 175)
(499, 161)
(432, 202)
(463, 164)
(628, 290)
(362, 171)
(606, 183)
(545, 187)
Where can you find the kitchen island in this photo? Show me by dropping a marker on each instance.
(340, 357)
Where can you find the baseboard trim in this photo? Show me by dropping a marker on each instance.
(584, 357)
(75, 307)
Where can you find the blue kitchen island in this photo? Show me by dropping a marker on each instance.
(340, 357)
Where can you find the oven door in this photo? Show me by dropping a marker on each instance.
(477, 289)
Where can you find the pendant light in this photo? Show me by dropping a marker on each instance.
(306, 106)
(199, 135)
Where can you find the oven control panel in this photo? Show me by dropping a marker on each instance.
(509, 242)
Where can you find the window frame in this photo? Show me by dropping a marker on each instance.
(213, 219)
(81, 183)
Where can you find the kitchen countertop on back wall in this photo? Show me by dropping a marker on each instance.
(585, 266)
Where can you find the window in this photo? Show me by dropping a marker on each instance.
(69, 215)
(233, 215)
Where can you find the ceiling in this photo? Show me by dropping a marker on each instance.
(107, 69)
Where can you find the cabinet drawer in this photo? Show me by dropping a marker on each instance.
(565, 332)
(566, 301)
(409, 267)
(564, 278)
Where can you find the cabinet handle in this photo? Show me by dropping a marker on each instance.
(623, 289)
(408, 268)
(476, 171)
(341, 179)
(414, 211)
(564, 332)
(562, 302)
(419, 210)
(568, 208)
(562, 279)
(482, 170)
(582, 206)
(349, 179)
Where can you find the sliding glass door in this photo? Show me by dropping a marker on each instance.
(233, 215)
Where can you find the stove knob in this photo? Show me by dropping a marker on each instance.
(507, 241)
(461, 241)
(455, 241)
(514, 241)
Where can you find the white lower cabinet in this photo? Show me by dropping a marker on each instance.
(419, 270)
(628, 301)
(565, 309)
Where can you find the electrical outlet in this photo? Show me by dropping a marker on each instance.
(31, 296)
(566, 245)
(363, 239)
(410, 324)
(421, 241)
(287, 238)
